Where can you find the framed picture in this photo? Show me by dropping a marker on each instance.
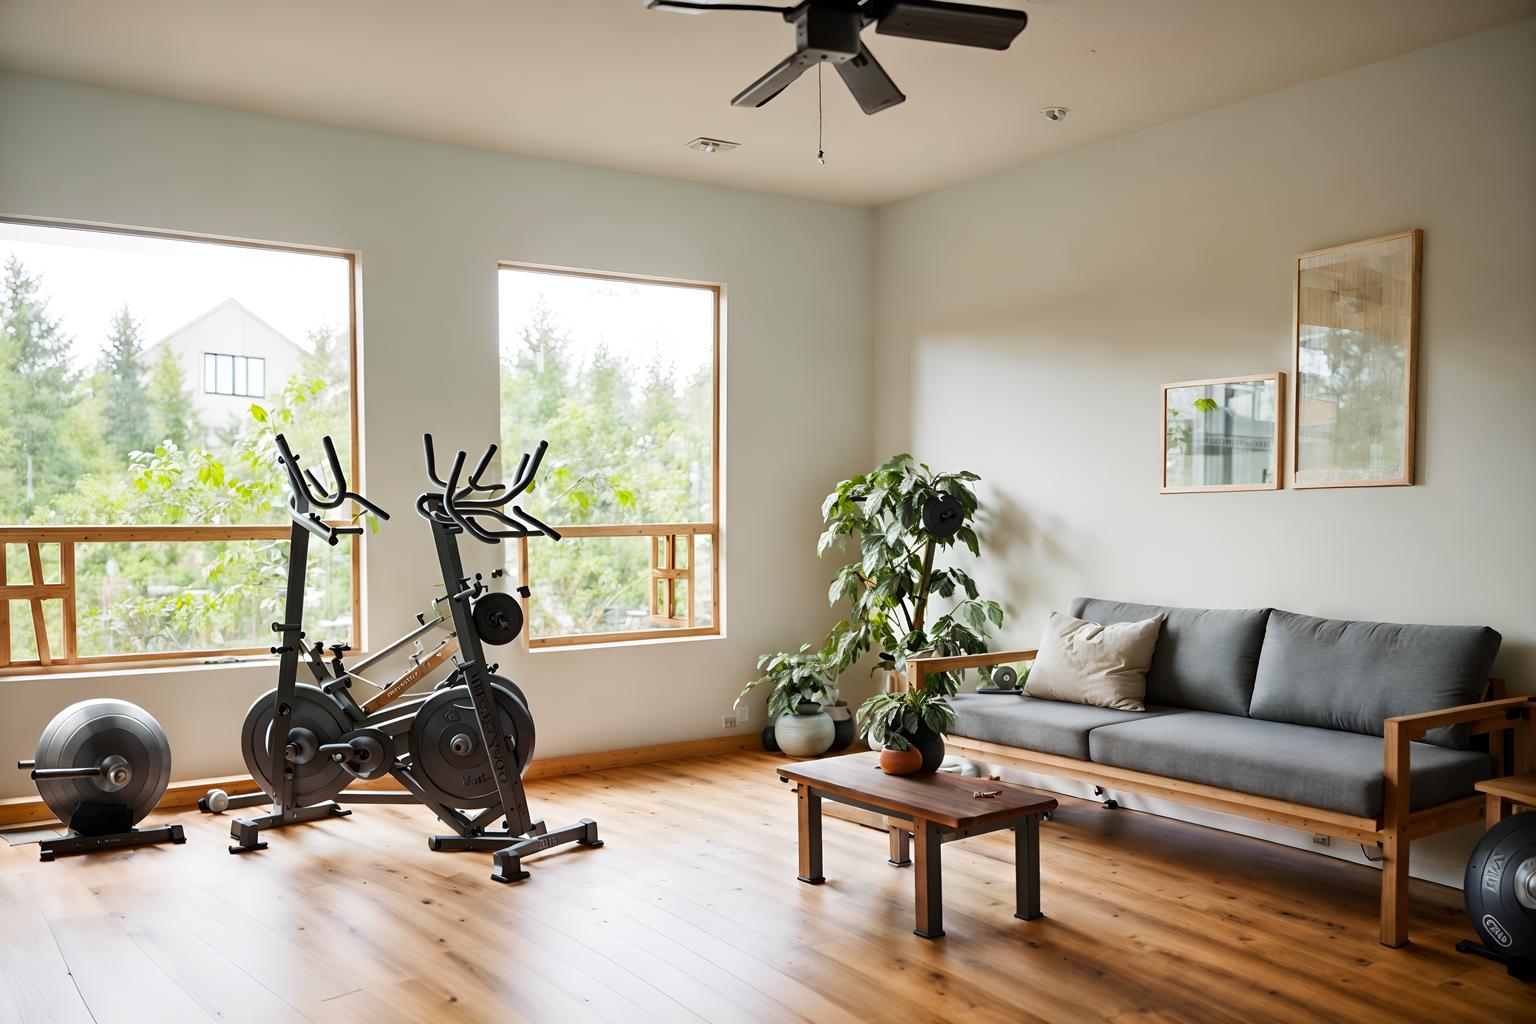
(1356, 343)
(1223, 434)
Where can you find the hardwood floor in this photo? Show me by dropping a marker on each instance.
(692, 912)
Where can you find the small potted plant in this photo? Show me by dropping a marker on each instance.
(801, 727)
(906, 727)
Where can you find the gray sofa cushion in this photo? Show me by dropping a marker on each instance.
(1205, 658)
(1340, 771)
(1048, 726)
(1351, 675)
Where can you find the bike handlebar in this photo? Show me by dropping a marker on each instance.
(454, 506)
(309, 490)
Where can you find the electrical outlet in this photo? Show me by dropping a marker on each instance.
(729, 721)
(743, 713)
(1319, 839)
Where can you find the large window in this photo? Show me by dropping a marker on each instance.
(621, 377)
(142, 377)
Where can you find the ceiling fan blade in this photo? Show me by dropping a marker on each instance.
(869, 83)
(992, 28)
(694, 7)
(774, 82)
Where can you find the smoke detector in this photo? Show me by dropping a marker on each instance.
(1055, 113)
(708, 145)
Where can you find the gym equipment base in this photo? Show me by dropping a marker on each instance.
(1520, 968)
(66, 846)
(246, 832)
(508, 851)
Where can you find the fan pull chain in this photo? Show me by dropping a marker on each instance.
(821, 154)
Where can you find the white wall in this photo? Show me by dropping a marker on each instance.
(431, 221)
(1027, 321)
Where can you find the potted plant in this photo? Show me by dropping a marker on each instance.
(895, 723)
(800, 682)
(903, 516)
(891, 513)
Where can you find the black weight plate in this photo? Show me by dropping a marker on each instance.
(464, 780)
(498, 619)
(85, 733)
(1005, 676)
(318, 779)
(382, 748)
(1506, 925)
(943, 516)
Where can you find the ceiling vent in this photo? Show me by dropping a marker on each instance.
(707, 145)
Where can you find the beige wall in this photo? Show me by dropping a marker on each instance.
(431, 221)
(1026, 322)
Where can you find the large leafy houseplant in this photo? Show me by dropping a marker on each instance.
(796, 679)
(891, 587)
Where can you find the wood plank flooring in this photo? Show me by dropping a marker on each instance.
(692, 913)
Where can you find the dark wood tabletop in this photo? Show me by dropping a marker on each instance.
(940, 797)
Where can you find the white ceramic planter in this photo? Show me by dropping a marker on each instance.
(804, 735)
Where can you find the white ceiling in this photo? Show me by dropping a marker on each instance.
(607, 82)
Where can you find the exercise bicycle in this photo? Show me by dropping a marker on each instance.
(329, 739)
(481, 616)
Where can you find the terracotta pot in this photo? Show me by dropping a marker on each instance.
(901, 762)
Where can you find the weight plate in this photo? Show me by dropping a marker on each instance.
(498, 619)
(1006, 676)
(317, 780)
(446, 752)
(1497, 876)
(943, 516)
(91, 731)
(377, 752)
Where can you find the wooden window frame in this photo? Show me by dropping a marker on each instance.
(32, 538)
(664, 537)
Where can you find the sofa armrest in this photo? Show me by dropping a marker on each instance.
(1413, 727)
(1398, 734)
(917, 668)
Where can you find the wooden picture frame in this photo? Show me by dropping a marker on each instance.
(1354, 353)
(1176, 483)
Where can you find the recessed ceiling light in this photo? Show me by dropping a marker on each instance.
(1055, 113)
(708, 145)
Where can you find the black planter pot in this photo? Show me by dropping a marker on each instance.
(770, 744)
(931, 745)
(843, 732)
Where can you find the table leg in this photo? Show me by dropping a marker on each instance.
(809, 802)
(1026, 868)
(928, 879)
(1493, 810)
(901, 847)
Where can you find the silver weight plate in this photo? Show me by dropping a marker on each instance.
(91, 731)
(446, 750)
(320, 778)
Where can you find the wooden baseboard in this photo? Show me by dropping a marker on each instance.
(180, 796)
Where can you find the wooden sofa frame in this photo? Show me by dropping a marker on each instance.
(1509, 722)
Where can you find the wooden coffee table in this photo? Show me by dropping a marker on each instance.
(938, 808)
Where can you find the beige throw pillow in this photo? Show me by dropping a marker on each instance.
(1086, 663)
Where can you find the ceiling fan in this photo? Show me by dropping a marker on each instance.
(829, 31)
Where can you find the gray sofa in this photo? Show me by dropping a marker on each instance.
(1375, 732)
